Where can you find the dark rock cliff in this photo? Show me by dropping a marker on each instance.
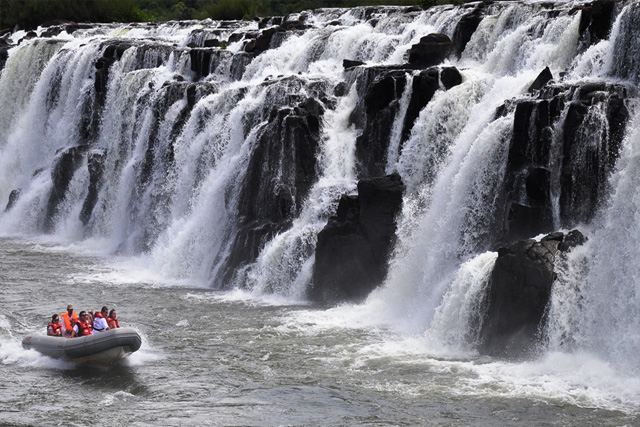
(519, 292)
(281, 171)
(353, 249)
(549, 160)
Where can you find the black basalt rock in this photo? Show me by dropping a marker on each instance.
(565, 142)
(381, 88)
(518, 293)
(543, 78)
(465, 28)
(528, 220)
(65, 165)
(348, 63)
(353, 248)
(13, 198)
(261, 43)
(596, 20)
(212, 43)
(113, 52)
(431, 50)
(95, 163)
(72, 28)
(4, 55)
(280, 173)
(424, 87)
(384, 91)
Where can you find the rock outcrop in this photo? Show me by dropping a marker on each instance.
(465, 28)
(4, 55)
(65, 166)
(13, 199)
(353, 249)
(381, 89)
(518, 293)
(548, 157)
(95, 163)
(596, 20)
(431, 50)
(280, 173)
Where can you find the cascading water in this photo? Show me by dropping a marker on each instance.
(218, 167)
(595, 305)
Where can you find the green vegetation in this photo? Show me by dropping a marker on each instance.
(31, 13)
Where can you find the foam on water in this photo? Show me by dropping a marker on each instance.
(582, 378)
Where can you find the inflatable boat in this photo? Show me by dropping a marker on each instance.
(103, 348)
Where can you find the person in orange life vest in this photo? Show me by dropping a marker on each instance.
(54, 328)
(112, 320)
(68, 320)
(83, 326)
(100, 320)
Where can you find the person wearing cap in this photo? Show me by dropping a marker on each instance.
(69, 319)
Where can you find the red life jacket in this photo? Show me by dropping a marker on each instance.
(56, 327)
(109, 320)
(84, 328)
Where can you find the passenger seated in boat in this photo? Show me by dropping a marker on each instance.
(54, 328)
(69, 318)
(112, 320)
(83, 326)
(100, 321)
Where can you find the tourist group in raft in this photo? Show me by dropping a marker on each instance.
(74, 325)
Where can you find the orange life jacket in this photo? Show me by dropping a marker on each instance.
(84, 328)
(67, 322)
(56, 327)
(109, 320)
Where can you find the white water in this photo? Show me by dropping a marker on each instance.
(452, 165)
(596, 302)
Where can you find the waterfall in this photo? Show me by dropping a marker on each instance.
(450, 213)
(218, 164)
(596, 301)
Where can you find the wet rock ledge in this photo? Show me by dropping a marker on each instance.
(519, 292)
(353, 249)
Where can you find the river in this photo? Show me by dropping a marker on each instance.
(211, 358)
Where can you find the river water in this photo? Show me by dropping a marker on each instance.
(211, 358)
